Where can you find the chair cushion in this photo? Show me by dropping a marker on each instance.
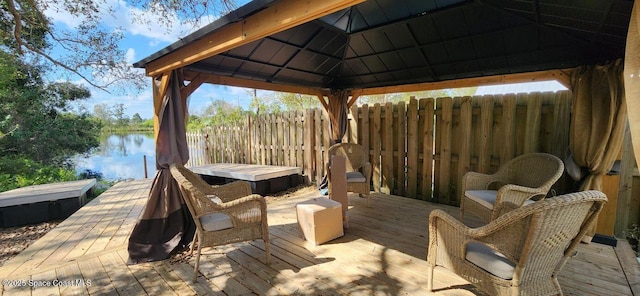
(484, 197)
(355, 177)
(215, 199)
(491, 261)
(215, 222)
(487, 198)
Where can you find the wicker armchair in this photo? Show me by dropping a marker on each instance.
(521, 180)
(223, 214)
(519, 253)
(358, 167)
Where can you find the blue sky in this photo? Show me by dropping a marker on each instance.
(141, 41)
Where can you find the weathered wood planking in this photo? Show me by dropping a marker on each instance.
(376, 146)
(399, 164)
(387, 150)
(485, 138)
(502, 127)
(412, 148)
(383, 252)
(319, 163)
(427, 134)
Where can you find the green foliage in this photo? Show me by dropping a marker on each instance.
(114, 119)
(136, 119)
(217, 113)
(147, 124)
(37, 133)
(16, 172)
(293, 101)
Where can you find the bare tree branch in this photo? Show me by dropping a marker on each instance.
(17, 30)
(91, 50)
(57, 63)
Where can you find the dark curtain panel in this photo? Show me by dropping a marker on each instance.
(165, 225)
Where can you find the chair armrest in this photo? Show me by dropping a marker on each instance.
(510, 196)
(253, 198)
(240, 210)
(446, 234)
(477, 181)
(505, 234)
(366, 171)
(230, 191)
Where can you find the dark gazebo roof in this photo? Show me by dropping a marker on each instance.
(380, 43)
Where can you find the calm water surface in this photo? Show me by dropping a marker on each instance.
(121, 157)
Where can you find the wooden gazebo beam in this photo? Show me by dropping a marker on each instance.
(562, 76)
(282, 15)
(248, 83)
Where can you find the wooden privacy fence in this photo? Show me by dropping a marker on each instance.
(418, 149)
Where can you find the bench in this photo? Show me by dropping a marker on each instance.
(264, 179)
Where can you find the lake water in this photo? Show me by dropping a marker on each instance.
(121, 157)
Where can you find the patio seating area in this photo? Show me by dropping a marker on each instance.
(382, 253)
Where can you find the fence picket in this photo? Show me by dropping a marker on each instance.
(412, 147)
(420, 149)
(399, 164)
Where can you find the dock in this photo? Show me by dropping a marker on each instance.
(382, 253)
(39, 203)
(264, 179)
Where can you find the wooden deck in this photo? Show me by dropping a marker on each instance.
(383, 253)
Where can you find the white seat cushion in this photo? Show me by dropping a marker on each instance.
(215, 199)
(491, 261)
(355, 177)
(484, 197)
(216, 222)
(487, 198)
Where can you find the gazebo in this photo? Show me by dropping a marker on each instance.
(339, 50)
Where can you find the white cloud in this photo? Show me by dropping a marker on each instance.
(119, 14)
(130, 55)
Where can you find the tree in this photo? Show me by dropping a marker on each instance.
(101, 112)
(298, 102)
(36, 123)
(220, 112)
(118, 113)
(90, 49)
(136, 119)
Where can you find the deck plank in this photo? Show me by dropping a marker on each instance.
(43, 284)
(121, 277)
(96, 276)
(70, 281)
(382, 253)
(147, 276)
